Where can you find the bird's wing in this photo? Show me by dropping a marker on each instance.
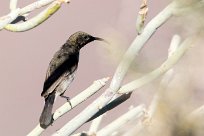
(57, 60)
(61, 65)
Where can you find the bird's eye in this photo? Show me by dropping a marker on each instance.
(86, 37)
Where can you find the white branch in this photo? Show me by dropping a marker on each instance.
(13, 4)
(37, 20)
(169, 63)
(95, 125)
(175, 42)
(138, 43)
(174, 47)
(9, 18)
(14, 13)
(141, 16)
(35, 5)
(39, 4)
(96, 86)
(131, 115)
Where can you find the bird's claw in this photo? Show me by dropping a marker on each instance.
(68, 99)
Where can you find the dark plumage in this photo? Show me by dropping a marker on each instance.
(61, 72)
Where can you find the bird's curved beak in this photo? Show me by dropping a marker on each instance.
(100, 39)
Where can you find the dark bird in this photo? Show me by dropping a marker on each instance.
(61, 72)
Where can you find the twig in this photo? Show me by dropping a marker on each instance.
(141, 16)
(96, 86)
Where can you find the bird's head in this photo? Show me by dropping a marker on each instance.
(80, 39)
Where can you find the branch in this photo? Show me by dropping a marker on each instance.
(96, 86)
(120, 73)
(13, 4)
(113, 103)
(139, 42)
(9, 18)
(15, 13)
(142, 126)
(141, 16)
(35, 5)
(169, 63)
(37, 20)
(95, 125)
(97, 117)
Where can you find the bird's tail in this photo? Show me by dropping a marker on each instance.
(46, 115)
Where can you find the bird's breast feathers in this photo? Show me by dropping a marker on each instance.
(62, 87)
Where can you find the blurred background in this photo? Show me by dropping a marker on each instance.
(24, 58)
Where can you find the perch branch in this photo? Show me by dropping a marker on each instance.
(96, 86)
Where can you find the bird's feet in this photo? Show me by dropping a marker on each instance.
(68, 99)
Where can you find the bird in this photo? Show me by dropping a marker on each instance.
(61, 72)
